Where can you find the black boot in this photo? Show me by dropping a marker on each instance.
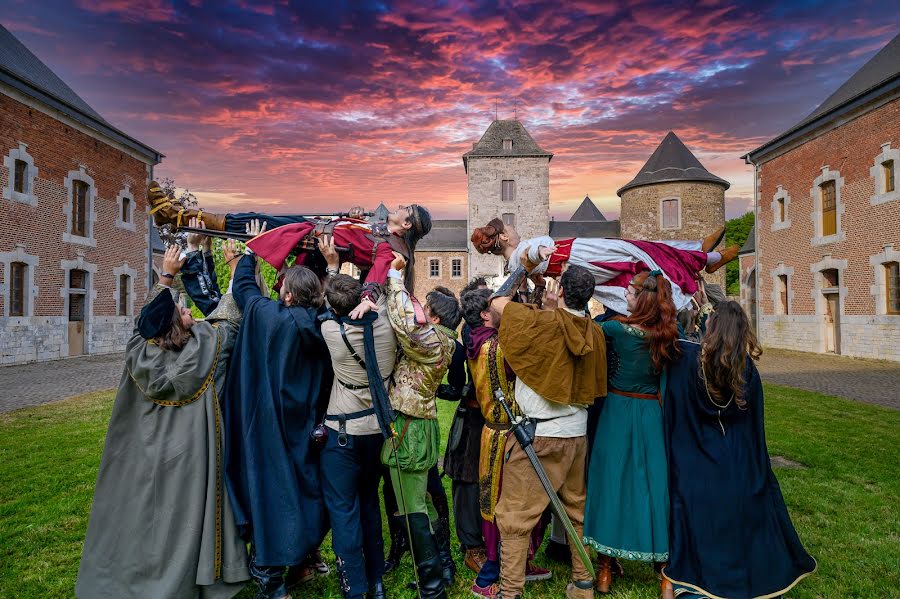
(442, 538)
(376, 591)
(399, 542)
(428, 560)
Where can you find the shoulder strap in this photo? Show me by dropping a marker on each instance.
(350, 347)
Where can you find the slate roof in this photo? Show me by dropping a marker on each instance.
(587, 211)
(563, 229)
(25, 72)
(672, 161)
(750, 245)
(445, 235)
(491, 143)
(881, 70)
(380, 214)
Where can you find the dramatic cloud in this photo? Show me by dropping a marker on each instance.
(307, 106)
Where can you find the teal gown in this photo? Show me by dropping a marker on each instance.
(627, 510)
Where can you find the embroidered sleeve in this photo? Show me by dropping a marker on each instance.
(421, 343)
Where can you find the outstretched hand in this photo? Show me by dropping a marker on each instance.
(545, 252)
(231, 252)
(363, 307)
(195, 240)
(172, 260)
(329, 251)
(254, 227)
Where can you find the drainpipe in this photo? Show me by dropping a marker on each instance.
(150, 245)
(756, 266)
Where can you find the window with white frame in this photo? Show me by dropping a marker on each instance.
(827, 207)
(22, 173)
(670, 214)
(781, 203)
(80, 208)
(508, 190)
(125, 209)
(884, 172)
(892, 287)
(18, 288)
(17, 272)
(434, 268)
(456, 268)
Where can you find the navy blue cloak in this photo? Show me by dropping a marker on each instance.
(730, 533)
(278, 384)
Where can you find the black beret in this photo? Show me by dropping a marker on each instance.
(156, 317)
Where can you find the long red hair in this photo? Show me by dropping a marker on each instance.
(654, 312)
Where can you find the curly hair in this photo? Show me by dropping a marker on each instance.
(654, 312)
(177, 335)
(729, 339)
(475, 302)
(577, 286)
(444, 305)
(486, 239)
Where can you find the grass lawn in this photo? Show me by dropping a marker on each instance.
(845, 504)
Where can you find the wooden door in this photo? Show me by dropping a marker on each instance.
(77, 298)
(833, 323)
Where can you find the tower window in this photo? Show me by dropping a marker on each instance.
(507, 144)
(888, 168)
(19, 176)
(508, 190)
(670, 214)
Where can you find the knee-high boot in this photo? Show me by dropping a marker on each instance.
(399, 542)
(442, 536)
(427, 558)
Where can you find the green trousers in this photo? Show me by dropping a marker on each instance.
(418, 445)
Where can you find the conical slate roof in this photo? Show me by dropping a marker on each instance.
(587, 211)
(750, 244)
(491, 143)
(380, 214)
(672, 161)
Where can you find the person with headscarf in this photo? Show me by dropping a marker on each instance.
(613, 262)
(161, 523)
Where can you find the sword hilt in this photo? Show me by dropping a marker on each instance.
(522, 433)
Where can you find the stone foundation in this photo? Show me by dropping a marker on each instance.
(40, 338)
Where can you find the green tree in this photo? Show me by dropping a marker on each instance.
(736, 232)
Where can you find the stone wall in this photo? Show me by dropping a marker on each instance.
(702, 211)
(530, 204)
(868, 232)
(35, 228)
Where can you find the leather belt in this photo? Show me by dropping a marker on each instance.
(654, 396)
(342, 422)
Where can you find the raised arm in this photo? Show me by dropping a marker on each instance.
(243, 280)
(420, 342)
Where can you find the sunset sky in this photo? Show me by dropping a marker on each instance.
(318, 106)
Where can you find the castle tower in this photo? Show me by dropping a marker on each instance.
(508, 177)
(673, 197)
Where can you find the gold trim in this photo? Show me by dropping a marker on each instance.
(769, 596)
(184, 402)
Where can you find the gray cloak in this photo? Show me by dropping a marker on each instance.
(161, 525)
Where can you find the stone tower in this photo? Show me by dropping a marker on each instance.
(673, 197)
(508, 177)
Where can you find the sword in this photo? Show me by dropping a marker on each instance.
(525, 438)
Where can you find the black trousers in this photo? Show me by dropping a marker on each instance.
(350, 476)
(467, 514)
(237, 223)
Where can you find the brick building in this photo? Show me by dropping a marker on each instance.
(74, 240)
(673, 196)
(827, 206)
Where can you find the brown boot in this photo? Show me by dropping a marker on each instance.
(166, 211)
(728, 254)
(604, 574)
(475, 559)
(666, 590)
(580, 589)
(712, 240)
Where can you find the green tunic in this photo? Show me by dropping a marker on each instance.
(161, 524)
(627, 510)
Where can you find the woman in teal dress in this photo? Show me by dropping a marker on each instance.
(627, 511)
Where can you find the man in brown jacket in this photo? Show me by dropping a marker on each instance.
(559, 357)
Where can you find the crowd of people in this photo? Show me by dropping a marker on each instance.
(238, 441)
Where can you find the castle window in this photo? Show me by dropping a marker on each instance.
(19, 177)
(126, 210)
(456, 268)
(829, 209)
(670, 214)
(124, 288)
(17, 288)
(780, 214)
(892, 287)
(434, 268)
(888, 168)
(79, 208)
(783, 294)
(508, 190)
(507, 144)
(509, 218)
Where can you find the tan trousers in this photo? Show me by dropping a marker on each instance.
(523, 500)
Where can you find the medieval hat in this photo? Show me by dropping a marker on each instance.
(156, 317)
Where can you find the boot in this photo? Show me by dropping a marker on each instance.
(666, 589)
(399, 542)
(475, 558)
(712, 240)
(442, 536)
(427, 558)
(166, 211)
(604, 574)
(728, 254)
(580, 589)
(376, 591)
